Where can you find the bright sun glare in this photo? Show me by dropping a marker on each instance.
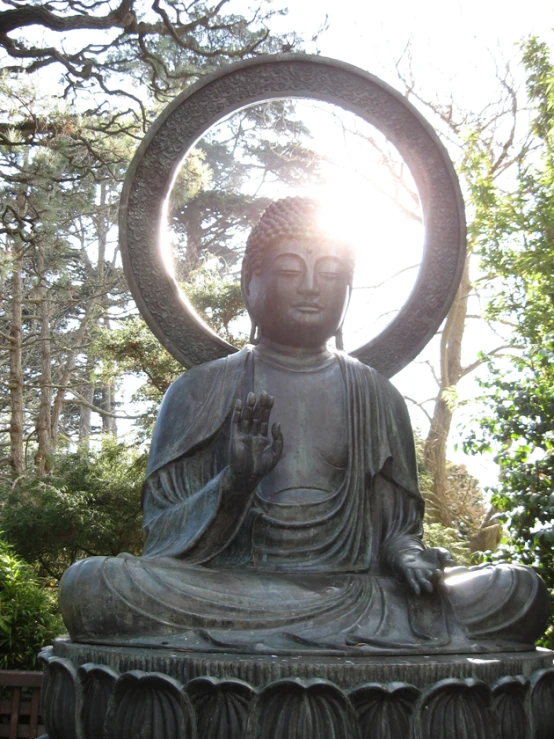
(367, 195)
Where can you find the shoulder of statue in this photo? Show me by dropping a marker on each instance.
(200, 379)
(381, 385)
(194, 407)
(191, 390)
(362, 368)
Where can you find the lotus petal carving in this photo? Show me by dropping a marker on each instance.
(465, 705)
(58, 691)
(97, 685)
(149, 706)
(384, 711)
(221, 707)
(297, 709)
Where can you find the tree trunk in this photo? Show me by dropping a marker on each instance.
(451, 370)
(17, 457)
(85, 414)
(191, 259)
(68, 368)
(109, 425)
(43, 455)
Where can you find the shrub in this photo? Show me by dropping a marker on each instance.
(28, 617)
(89, 505)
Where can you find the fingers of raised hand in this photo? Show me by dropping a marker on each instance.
(260, 414)
(277, 445)
(245, 424)
(253, 418)
(237, 413)
(266, 411)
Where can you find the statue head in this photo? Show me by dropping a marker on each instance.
(296, 276)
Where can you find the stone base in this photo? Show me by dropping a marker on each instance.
(97, 692)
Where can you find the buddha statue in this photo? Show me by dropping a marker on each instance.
(281, 505)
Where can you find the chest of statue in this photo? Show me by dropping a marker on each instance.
(310, 408)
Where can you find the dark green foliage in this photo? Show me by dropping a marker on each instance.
(517, 238)
(28, 617)
(134, 348)
(90, 505)
(519, 430)
(437, 535)
(218, 299)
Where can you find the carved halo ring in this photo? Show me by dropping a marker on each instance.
(162, 304)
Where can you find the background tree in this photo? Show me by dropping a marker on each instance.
(487, 147)
(62, 160)
(518, 423)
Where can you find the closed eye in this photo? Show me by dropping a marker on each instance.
(292, 272)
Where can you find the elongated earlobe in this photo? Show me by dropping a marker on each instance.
(254, 334)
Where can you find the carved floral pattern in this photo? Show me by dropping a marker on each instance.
(511, 695)
(542, 704)
(95, 702)
(58, 696)
(96, 687)
(297, 708)
(221, 706)
(149, 705)
(464, 706)
(384, 711)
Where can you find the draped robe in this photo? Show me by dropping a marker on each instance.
(279, 578)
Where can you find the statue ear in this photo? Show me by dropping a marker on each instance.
(245, 290)
(254, 333)
(338, 335)
(244, 285)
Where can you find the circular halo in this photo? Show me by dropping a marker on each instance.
(142, 212)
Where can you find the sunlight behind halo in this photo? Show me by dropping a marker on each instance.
(388, 250)
(367, 194)
(372, 203)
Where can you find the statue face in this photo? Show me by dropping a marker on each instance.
(301, 293)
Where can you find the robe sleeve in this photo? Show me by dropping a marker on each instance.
(190, 512)
(398, 505)
(400, 518)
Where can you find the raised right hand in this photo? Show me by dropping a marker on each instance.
(252, 454)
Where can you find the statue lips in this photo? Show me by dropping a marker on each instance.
(308, 307)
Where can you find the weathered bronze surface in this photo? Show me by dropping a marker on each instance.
(305, 537)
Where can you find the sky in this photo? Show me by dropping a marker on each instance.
(452, 42)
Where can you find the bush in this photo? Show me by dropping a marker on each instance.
(28, 619)
(90, 505)
(437, 535)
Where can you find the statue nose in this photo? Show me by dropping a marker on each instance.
(309, 285)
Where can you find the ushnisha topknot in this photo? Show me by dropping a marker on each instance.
(289, 218)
